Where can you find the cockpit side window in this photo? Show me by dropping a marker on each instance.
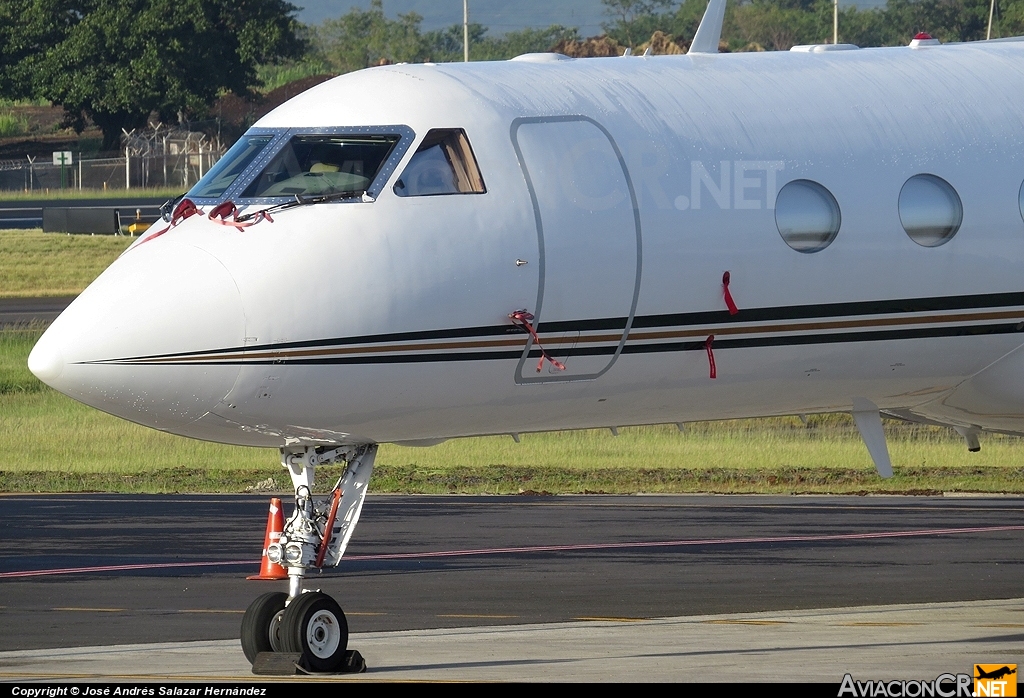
(443, 164)
(223, 174)
(321, 165)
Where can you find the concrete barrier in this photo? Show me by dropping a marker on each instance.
(95, 221)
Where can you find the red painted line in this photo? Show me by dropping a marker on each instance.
(544, 549)
(120, 568)
(682, 543)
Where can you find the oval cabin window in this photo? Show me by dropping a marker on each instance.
(807, 215)
(930, 210)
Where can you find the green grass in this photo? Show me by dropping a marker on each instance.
(274, 76)
(4, 102)
(12, 124)
(51, 194)
(51, 443)
(15, 344)
(33, 263)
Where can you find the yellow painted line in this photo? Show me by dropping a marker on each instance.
(612, 619)
(867, 624)
(244, 678)
(89, 610)
(205, 610)
(470, 615)
(197, 678)
(1002, 625)
(363, 613)
(747, 622)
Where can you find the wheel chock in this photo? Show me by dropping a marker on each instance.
(353, 664)
(277, 664)
(294, 664)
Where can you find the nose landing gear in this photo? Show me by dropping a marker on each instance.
(311, 624)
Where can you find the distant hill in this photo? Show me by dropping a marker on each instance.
(499, 16)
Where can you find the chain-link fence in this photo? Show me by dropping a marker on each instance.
(156, 158)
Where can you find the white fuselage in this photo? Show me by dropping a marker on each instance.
(628, 186)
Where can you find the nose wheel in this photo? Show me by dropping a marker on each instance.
(315, 625)
(261, 625)
(312, 625)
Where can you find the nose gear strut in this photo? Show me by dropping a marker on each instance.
(315, 535)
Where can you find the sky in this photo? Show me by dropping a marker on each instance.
(499, 16)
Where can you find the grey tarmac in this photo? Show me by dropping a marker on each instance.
(904, 642)
(24, 311)
(531, 587)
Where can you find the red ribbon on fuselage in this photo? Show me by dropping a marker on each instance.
(220, 212)
(711, 355)
(521, 318)
(184, 209)
(729, 302)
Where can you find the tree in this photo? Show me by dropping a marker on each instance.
(516, 43)
(120, 60)
(633, 21)
(446, 44)
(363, 38)
(778, 25)
(1009, 19)
(28, 28)
(687, 19)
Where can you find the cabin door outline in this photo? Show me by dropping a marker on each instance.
(526, 369)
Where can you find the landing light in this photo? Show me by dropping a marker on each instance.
(293, 552)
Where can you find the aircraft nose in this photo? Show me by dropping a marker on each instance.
(46, 361)
(132, 343)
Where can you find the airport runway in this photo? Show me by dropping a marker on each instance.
(22, 311)
(420, 562)
(29, 213)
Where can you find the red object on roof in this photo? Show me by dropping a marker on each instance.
(922, 35)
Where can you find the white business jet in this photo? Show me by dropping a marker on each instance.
(414, 253)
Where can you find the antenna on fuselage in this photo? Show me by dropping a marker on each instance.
(709, 33)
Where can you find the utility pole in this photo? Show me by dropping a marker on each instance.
(465, 30)
(991, 11)
(835, 21)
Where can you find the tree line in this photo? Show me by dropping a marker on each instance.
(116, 62)
(777, 25)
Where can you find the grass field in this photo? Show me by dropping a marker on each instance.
(50, 194)
(34, 263)
(51, 443)
(12, 124)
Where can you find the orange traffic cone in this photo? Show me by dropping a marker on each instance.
(275, 524)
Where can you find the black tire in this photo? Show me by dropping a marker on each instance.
(257, 621)
(315, 625)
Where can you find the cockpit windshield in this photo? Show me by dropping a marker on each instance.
(321, 165)
(223, 174)
(305, 165)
